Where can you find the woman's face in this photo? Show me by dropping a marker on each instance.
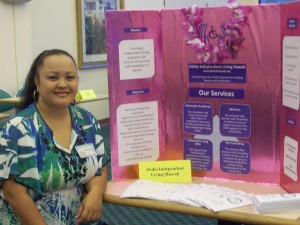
(57, 81)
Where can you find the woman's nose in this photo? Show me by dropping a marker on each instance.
(62, 82)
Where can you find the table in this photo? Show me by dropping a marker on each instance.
(17, 99)
(10, 100)
(4, 115)
(241, 215)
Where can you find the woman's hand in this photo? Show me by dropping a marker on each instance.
(91, 208)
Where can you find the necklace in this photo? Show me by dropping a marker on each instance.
(228, 42)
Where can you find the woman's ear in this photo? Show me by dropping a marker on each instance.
(36, 81)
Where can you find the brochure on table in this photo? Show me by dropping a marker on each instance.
(171, 98)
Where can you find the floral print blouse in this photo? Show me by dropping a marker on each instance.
(53, 175)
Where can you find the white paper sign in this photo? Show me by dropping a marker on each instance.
(136, 59)
(290, 158)
(138, 133)
(291, 71)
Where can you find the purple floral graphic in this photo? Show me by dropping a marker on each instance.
(229, 42)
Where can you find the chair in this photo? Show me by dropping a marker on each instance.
(19, 92)
(5, 106)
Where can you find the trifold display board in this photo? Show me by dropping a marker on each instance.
(205, 84)
(274, 1)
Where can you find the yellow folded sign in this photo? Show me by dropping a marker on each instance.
(168, 171)
(85, 94)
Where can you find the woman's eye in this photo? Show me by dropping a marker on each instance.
(70, 77)
(52, 78)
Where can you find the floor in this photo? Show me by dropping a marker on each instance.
(124, 215)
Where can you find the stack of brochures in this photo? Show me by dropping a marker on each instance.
(212, 197)
(276, 203)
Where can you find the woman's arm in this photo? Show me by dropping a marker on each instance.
(25, 209)
(91, 206)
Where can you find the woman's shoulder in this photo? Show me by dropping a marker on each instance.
(82, 113)
(26, 114)
(79, 110)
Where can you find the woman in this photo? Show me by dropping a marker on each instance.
(52, 151)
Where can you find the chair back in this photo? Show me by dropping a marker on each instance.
(5, 106)
(20, 92)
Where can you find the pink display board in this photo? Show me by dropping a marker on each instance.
(203, 95)
(290, 131)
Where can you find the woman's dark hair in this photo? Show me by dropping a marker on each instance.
(28, 96)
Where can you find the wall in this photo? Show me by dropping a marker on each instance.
(143, 4)
(54, 26)
(171, 4)
(15, 44)
(38, 25)
(29, 28)
(203, 3)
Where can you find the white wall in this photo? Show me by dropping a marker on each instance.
(143, 4)
(203, 3)
(171, 4)
(29, 28)
(54, 26)
(249, 2)
(15, 44)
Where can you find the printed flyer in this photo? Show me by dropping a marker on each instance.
(203, 84)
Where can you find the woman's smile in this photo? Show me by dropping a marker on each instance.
(62, 94)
